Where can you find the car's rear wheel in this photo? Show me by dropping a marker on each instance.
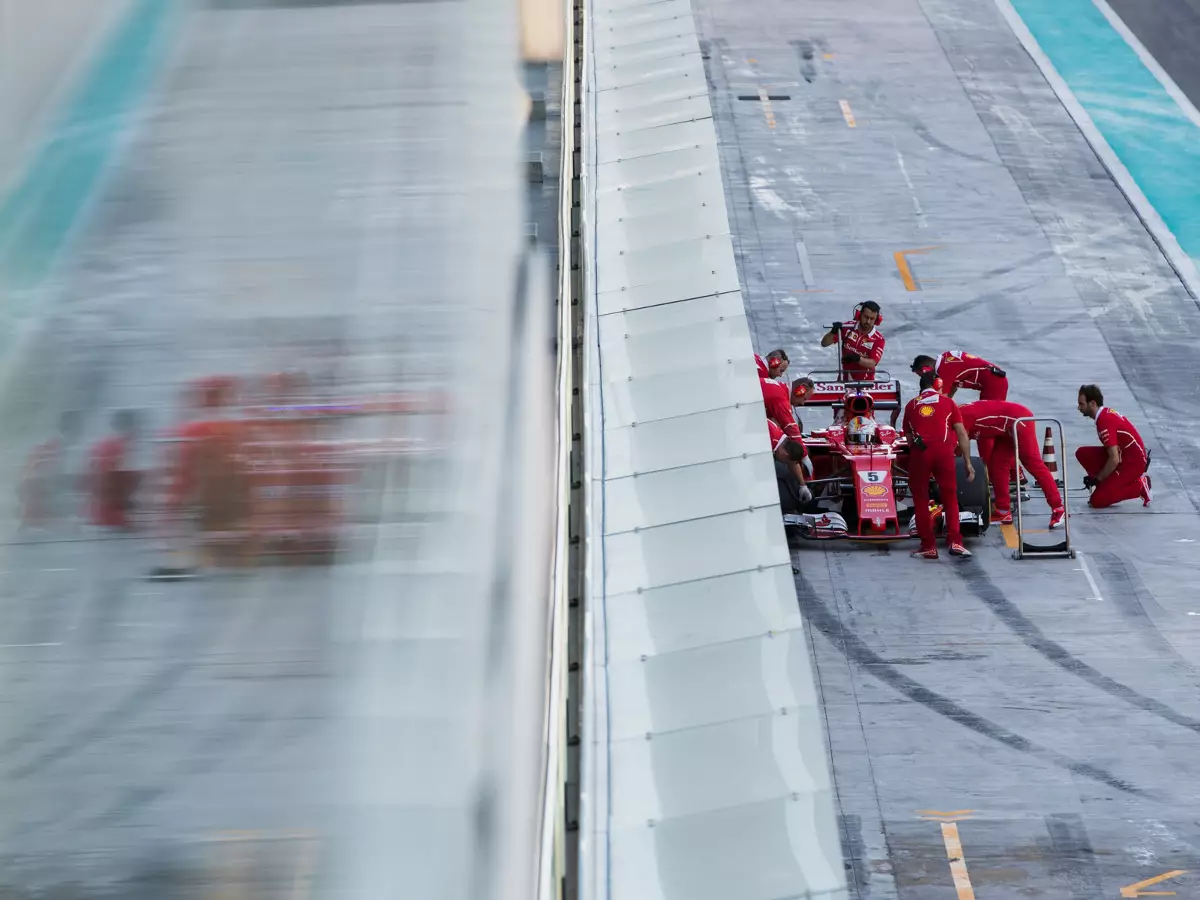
(974, 496)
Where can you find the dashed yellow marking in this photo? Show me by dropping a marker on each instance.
(1010, 536)
(752, 60)
(847, 113)
(958, 863)
(766, 104)
(829, 56)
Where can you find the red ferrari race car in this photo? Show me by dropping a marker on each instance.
(859, 474)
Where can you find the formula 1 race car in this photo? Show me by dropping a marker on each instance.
(859, 474)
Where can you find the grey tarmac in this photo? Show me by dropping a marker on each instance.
(1052, 704)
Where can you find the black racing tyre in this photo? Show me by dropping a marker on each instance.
(974, 496)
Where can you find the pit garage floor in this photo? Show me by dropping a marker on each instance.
(1044, 712)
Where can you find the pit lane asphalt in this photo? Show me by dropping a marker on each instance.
(1055, 700)
(293, 731)
(1170, 30)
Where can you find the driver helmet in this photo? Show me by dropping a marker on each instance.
(860, 430)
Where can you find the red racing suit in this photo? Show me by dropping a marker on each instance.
(993, 420)
(111, 483)
(962, 370)
(958, 369)
(931, 417)
(778, 402)
(1125, 481)
(778, 436)
(869, 345)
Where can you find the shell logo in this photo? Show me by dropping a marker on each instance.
(926, 411)
(875, 490)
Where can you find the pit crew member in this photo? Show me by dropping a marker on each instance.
(962, 370)
(777, 401)
(802, 389)
(934, 426)
(773, 366)
(112, 480)
(958, 369)
(789, 455)
(1116, 470)
(993, 420)
(861, 342)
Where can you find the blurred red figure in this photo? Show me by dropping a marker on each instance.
(44, 481)
(208, 397)
(112, 481)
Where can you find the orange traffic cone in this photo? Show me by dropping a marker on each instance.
(1048, 456)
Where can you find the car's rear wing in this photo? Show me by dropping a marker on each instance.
(884, 390)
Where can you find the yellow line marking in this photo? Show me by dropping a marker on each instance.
(906, 274)
(829, 56)
(766, 104)
(233, 837)
(958, 865)
(233, 870)
(945, 813)
(1135, 890)
(302, 883)
(846, 113)
(752, 60)
(1010, 536)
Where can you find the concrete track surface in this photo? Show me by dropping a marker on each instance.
(1052, 705)
(294, 199)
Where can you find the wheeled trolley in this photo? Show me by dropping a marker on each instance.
(1064, 547)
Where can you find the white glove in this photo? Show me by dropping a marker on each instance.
(808, 468)
(805, 494)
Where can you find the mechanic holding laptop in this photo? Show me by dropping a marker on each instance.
(934, 427)
(861, 342)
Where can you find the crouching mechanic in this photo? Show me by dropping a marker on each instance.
(934, 427)
(993, 421)
(790, 454)
(1116, 470)
(861, 342)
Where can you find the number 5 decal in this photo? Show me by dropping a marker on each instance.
(874, 477)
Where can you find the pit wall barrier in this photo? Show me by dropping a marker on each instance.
(704, 771)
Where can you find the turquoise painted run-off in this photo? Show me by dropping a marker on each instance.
(42, 208)
(1148, 131)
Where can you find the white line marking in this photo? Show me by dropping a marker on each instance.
(921, 221)
(1180, 261)
(1096, 595)
(805, 265)
(13, 646)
